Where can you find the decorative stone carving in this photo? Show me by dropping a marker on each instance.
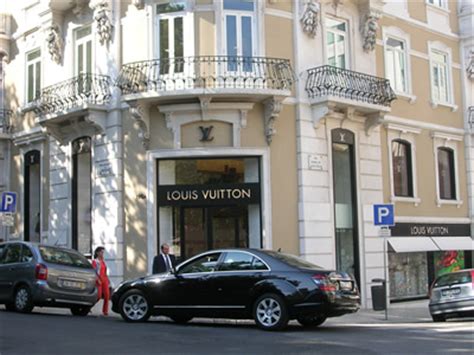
(336, 4)
(204, 102)
(139, 4)
(372, 121)
(273, 108)
(103, 23)
(369, 30)
(320, 112)
(80, 7)
(309, 20)
(55, 43)
(137, 112)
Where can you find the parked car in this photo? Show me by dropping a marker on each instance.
(452, 295)
(40, 275)
(268, 286)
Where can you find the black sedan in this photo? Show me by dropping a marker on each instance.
(268, 286)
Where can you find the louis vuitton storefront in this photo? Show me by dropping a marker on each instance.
(209, 202)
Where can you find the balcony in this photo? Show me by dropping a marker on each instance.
(470, 117)
(249, 78)
(349, 92)
(75, 105)
(5, 122)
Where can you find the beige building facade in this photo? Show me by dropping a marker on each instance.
(264, 124)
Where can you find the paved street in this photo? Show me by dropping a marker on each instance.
(408, 331)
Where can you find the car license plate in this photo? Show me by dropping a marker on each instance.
(73, 284)
(345, 285)
(451, 292)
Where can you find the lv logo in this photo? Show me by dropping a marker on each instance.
(206, 134)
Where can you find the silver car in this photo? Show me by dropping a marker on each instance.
(452, 295)
(40, 275)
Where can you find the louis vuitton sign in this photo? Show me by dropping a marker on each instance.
(208, 195)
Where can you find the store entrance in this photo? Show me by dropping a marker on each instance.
(203, 228)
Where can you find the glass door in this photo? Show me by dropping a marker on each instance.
(83, 56)
(32, 226)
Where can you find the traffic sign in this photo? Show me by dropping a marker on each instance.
(383, 215)
(8, 203)
(7, 219)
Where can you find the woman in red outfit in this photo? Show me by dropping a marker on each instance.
(102, 279)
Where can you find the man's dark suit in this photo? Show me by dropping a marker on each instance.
(159, 265)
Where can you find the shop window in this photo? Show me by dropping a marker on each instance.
(408, 275)
(448, 261)
(33, 82)
(32, 197)
(402, 168)
(446, 174)
(337, 43)
(81, 195)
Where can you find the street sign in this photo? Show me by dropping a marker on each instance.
(7, 219)
(8, 203)
(383, 215)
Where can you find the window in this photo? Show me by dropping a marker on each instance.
(336, 43)
(81, 195)
(27, 255)
(401, 167)
(170, 21)
(439, 3)
(83, 57)
(447, 185)
(33, 65)
(396, 66)
(63, 257)
(12, 254)
(239, 34)
(439, 76)
(32, 196)
(206, 263)
(235, 261)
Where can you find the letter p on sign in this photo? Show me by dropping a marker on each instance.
(8, 202)
(383, 215)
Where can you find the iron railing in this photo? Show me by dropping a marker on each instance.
(82, 89)
(206, 72)
(5, 120)
(329, 80)
(470, 116)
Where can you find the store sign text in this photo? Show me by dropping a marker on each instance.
(177, 195)
(430, 230)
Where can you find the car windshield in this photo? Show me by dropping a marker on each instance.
(63, 257)
(454, 278)
(293, 260)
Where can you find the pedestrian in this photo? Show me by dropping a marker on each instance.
(165, 261)
(103, 282)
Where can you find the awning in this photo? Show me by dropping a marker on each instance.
(454, 243)
(404, 244)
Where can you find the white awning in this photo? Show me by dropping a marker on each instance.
(406, 244)
(454, 243)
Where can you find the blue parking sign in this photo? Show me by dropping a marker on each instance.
(383, 215)
(8, 203)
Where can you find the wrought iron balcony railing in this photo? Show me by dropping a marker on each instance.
(82, 89)
(470, 117)
(206, 72)
(5, 120)
(329, 80)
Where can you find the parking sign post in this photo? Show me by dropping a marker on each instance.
(384, 217)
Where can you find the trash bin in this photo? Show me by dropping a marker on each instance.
(379, 296)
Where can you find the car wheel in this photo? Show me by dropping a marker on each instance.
(270, 312)
(23, 300)
(181, 319)
(80, 311)
(134, 306)
(438, 318)
(311, 321)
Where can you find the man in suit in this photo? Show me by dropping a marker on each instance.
(164, 261)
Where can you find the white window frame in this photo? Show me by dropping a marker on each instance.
(442, 4)
(445, 50)
(83, 41)
(444, 140)
(28, 63)
(408, 134)
(347, 40)
(399, 35)
(253, 15)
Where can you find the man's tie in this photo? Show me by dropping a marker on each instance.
(167, 262)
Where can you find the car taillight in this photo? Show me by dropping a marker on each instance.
(41, 272)
(324, 283)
